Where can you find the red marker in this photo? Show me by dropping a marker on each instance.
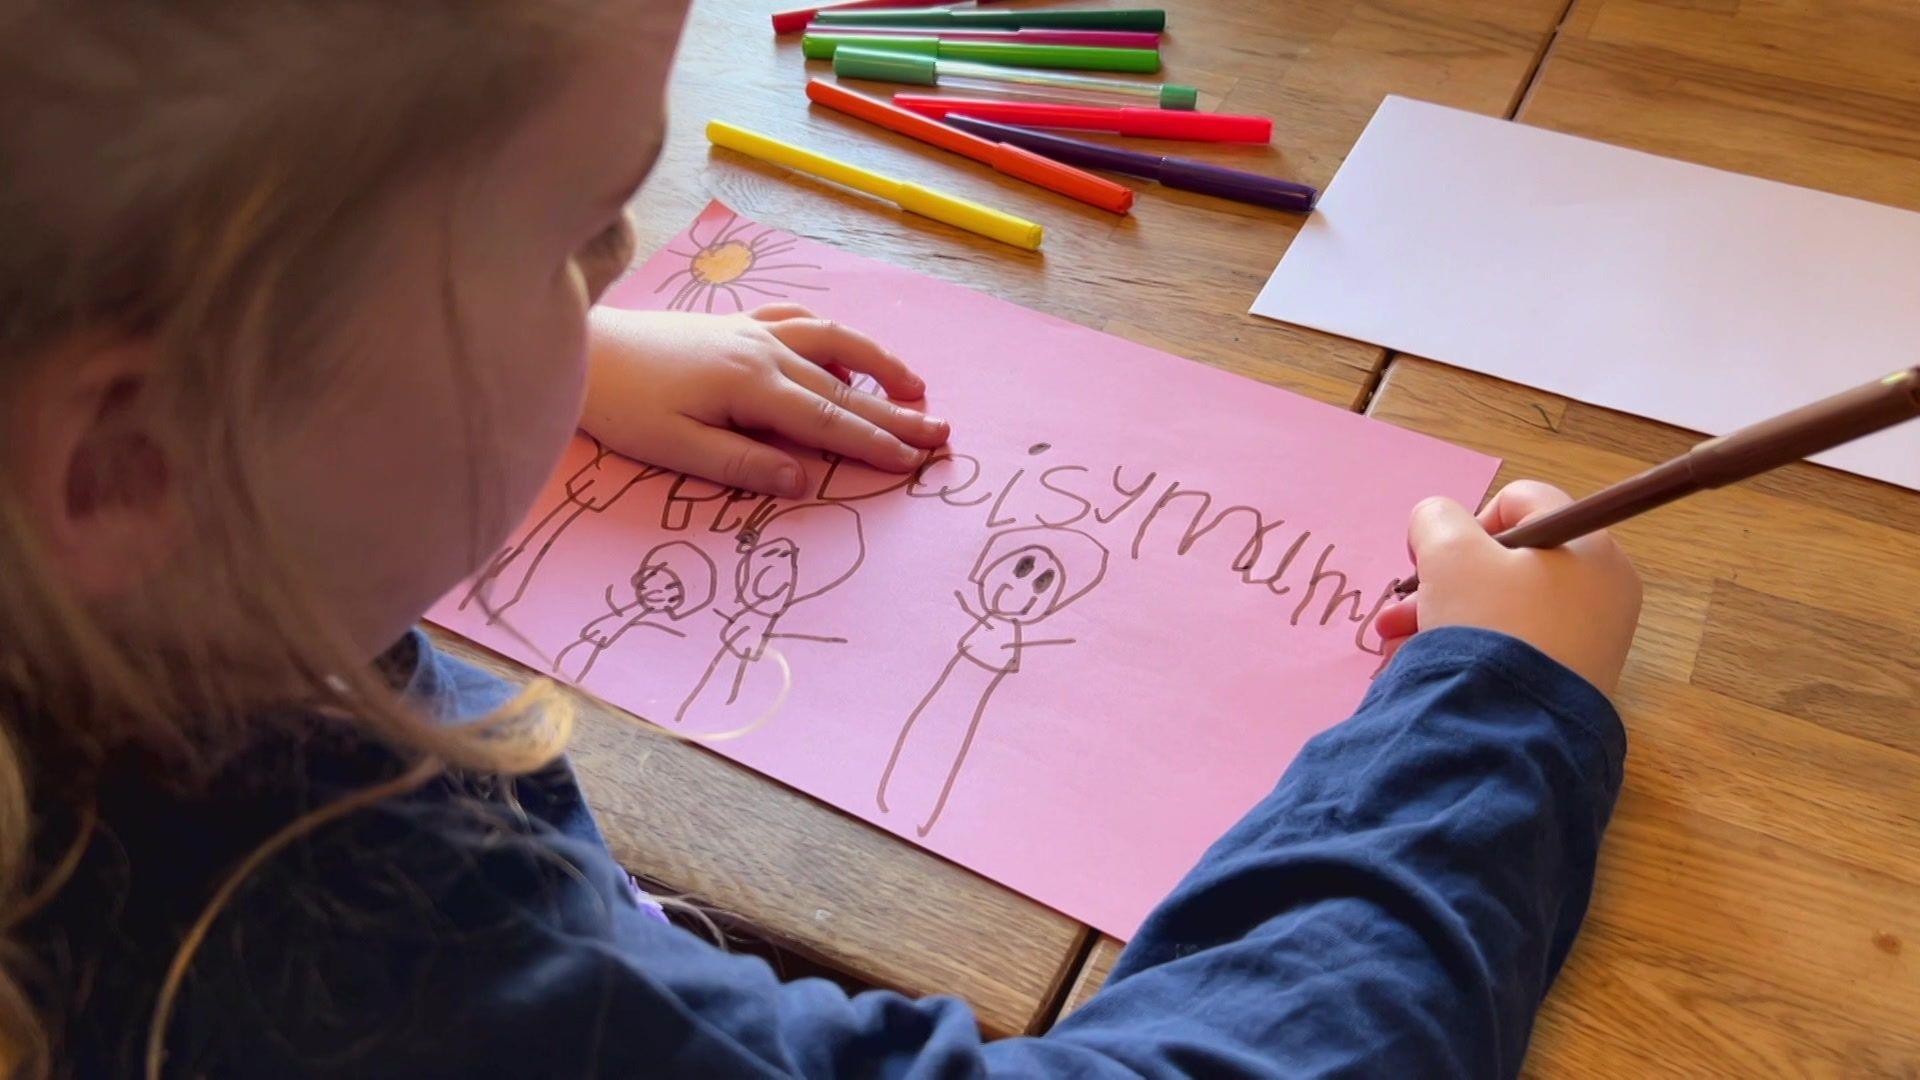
(1012, 160)
(792, 22)
(1153, 123)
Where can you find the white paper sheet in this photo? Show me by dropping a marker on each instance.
(1699, 297)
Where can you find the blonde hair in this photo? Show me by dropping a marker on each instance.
(180, 173)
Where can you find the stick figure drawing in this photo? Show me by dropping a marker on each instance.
(675, 580)
(786, 558)
(592, 488)
(1023, 576)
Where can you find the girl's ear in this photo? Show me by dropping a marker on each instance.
(89, 459)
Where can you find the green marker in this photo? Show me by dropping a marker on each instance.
(886, 65)
(1082, 57)
(1097, 19)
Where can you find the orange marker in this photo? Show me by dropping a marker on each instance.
(1014, 161)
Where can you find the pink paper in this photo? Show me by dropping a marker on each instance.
(1121, 602)
(1690, 295)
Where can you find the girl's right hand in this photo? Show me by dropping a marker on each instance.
(1578, 603)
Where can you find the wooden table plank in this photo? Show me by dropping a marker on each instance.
(1760, 888)
(1760, 880)
(1179, 272)
(809, 878)
(1093, 973)
(1821, 94)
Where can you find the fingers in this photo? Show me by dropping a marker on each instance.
(1437, 523)
(735, 460)
(907, 425)
(827, 343)
(1399, 619)
(777, 312)
(1519, 501)
(822, 421)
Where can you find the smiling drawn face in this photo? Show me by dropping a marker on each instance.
(674, 578)
(658, 588)
(766, 574)
(1026, 574)
(1024, 585)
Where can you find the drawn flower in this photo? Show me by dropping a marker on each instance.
(734, 264)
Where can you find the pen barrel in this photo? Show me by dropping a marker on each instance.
(756, 145)
(1077, 57)
(1736, 456)
(1182, 124)
(968, 69)
(971, 216)
(1236, 184)
(1087, 155)
(1150, 20)
(1808, 430)
(825, 45)
(1607, 507)
(1024, 164)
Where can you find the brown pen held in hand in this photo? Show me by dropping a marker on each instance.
(1745, 453)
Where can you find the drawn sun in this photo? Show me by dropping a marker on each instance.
(734, 264)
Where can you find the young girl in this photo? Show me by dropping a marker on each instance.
(293, 324)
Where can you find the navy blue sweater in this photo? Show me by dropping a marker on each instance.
(1397, 907)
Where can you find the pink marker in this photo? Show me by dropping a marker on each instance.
(1112, 39)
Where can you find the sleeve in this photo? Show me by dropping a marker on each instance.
(1398, 906)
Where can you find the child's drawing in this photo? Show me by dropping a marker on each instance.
(777, 570)
(731, 263)
(1022, 576)
(593, 488)
(675, 580)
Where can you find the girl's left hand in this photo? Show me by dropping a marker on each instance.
(680, 390)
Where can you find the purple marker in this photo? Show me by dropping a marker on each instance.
(1174, 172)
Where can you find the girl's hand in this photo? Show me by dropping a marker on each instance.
(1577, 603)
(678, 390)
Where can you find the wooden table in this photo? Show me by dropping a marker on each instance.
(1758, 908)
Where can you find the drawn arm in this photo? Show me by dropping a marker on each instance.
(966, 607)
(811, 637)
(1042, 641)
(733, 632)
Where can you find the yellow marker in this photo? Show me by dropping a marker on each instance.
(955, 211)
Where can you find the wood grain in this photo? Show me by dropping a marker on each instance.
(1821, 94)
(1759, 892)
(1760, 879)
(1178, 273)
(1093, 973)
(809, 878)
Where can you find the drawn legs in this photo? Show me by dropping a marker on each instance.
(705, 678)
(585, 663)
(523, 563)
(906, 729)
(934, 742)
(739, 676)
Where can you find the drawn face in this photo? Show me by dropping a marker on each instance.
(767, 574)
(658, 588)
(1023, 585)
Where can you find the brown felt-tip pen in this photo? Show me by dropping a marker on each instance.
(1718, 462)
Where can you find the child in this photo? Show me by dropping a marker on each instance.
(293, 326)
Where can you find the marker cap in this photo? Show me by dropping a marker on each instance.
(882, 65)
(1173, 96)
